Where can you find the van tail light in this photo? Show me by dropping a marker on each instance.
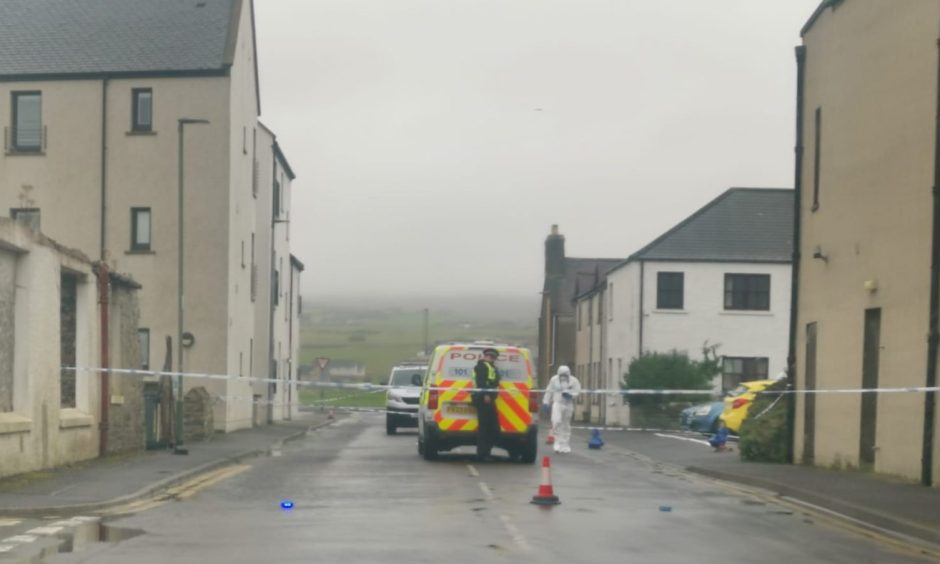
(740, 402)
(432, 398)
(533, 402)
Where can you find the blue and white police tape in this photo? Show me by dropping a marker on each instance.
(602, 391)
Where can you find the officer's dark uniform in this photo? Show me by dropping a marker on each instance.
(486, 377)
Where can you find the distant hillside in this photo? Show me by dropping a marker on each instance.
(381, 332)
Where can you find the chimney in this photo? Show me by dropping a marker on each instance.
(554, 254)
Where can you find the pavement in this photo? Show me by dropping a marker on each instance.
(880, 502)
(101, 483)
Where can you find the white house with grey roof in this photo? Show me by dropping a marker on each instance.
(720, 277)
(106, 106)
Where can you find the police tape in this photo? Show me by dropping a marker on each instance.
(601, 391)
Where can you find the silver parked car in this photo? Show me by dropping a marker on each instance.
(404, 393)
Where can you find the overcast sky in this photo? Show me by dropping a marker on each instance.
(436, 141)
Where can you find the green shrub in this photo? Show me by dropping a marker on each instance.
(764, 438)
(667, 371)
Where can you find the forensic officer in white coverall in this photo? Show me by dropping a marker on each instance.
(562, 391)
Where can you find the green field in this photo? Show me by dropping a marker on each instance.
(380, 337)
(342, 398)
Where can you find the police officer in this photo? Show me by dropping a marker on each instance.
(487, 378)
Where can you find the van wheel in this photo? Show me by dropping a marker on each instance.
(530, 449)
(389, 426)
(428, 448)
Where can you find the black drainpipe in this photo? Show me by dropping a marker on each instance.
(104, 167)
(930, 401)
(795, 261)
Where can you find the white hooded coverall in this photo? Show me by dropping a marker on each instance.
(562, 407)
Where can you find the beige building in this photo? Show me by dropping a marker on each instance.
(867, 171)
(557, 331)
(50, 317)
(93, 152)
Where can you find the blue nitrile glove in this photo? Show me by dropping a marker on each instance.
(566, 395)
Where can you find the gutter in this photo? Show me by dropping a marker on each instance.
(930, 400)
(795, 264)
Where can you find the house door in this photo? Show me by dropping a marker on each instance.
(809, 400)
(870, 380)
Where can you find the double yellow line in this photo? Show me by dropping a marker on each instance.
(181, 491)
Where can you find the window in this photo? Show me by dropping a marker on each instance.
(143, 335)
(276, 288)
(68, 329)
(27, 122)
(254, 163)
(610, 302)
(670, 289)
(243, 254)
(580, 311)
(26, 216)
(747, 291)
(735, 370)
(277, 198)
(600, 308)
(244, 140)
(590, 304)
(140, 229)
(254, 270)
(816, 157)
(142, 109)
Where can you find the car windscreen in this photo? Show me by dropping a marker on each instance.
(459, 364)
(405, 376)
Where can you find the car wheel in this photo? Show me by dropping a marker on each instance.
(389, 426)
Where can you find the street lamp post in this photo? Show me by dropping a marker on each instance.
(179, 282)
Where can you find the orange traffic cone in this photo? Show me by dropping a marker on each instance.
(546, 495)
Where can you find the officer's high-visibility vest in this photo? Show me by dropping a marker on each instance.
(491, 374)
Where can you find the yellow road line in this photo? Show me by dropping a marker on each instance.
(837, 520)
(181, 491)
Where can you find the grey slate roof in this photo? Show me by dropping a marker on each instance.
(76, 37)
(741, 225)
(582, 274)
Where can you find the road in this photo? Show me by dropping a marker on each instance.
(362, 496)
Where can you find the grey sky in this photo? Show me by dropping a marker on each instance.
(436, 141)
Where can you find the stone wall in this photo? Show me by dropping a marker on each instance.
(126, 415)
(7, 328)
(198, 424)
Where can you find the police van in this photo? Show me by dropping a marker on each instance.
(446, 415)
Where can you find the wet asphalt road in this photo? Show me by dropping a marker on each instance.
(364, 497)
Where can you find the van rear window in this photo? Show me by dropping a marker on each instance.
(458, 365)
